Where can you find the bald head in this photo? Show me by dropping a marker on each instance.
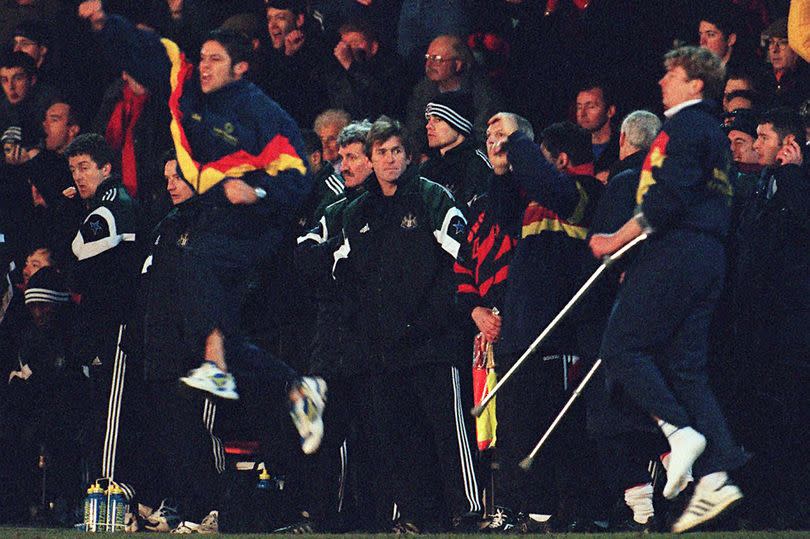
(446, 59)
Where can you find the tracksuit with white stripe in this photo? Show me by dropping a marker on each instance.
(104, 274)
(394, 270)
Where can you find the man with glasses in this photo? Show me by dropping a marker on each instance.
(449, 67)
(790, 75)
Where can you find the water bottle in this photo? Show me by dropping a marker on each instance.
(116, 508)
(265, 481)
(95, 508)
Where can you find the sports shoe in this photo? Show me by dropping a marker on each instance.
(210, 524)
(186, 527)
(506, 521)
(404, 527)
(211, 379)
(162, 519)
(708, 501)
(307, 401)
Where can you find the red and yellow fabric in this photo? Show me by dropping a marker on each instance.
(655, 159)
(277, 156)
(484, 380)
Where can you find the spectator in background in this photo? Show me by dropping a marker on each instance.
(790, 74)
(291, 66)
(449, 67)
(595, 108)
(135, 125)
(771, 344)
(420, 21)
(24, 100)
(744, 79)
(722, 31)
(328, 125)
(365, 79)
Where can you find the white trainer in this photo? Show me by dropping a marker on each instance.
(307, 402)
(211, 379)
(707, 503)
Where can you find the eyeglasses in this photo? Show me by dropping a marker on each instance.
(777, 43)
(438, 58)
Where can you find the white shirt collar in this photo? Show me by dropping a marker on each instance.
(669, 113)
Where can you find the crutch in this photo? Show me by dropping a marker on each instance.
(606, 263)
(527, 462)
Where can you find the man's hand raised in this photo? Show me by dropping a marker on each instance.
(93, 11)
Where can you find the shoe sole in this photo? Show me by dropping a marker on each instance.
(206, 388)
(713, 513)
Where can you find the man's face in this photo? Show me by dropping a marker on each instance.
(16, 83)
(41, 258)
(441, 63)
(389, 160)
(737, 103)
(676, 87)
(781, 56)
(556, 161)
(216, 68)
(495, 153)
(439, 133)
(42, 313)
(592, 112)
(742, 147)
(715, 40)
(87, 175)
(58, 133)
(179, 190)
(31, 48)
(329, 135)
(280, 22)
(354, 164)
(733, 85)
(767, 145)
(362, 48)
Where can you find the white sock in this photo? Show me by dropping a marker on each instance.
(713, 481)
(687, 445)
(640, 500)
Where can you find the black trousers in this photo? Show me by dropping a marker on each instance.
(526, 406)
(422, 442)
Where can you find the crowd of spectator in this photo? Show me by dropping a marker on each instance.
(221, 208)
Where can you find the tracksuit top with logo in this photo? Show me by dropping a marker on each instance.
(105, 270)
(394, 268)
(684, 179)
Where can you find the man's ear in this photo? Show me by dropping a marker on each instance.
(299, 21)
(611, 111)
(788, 139)
(375, 46)
(697, 86)
(73, 130)
(106, 170)
(732, 39)
(240, 68)
(562, 161)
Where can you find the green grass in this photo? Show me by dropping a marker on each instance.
(37, 533)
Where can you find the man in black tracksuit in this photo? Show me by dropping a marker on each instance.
(394, 268)
(103, 274)
(656, 341)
